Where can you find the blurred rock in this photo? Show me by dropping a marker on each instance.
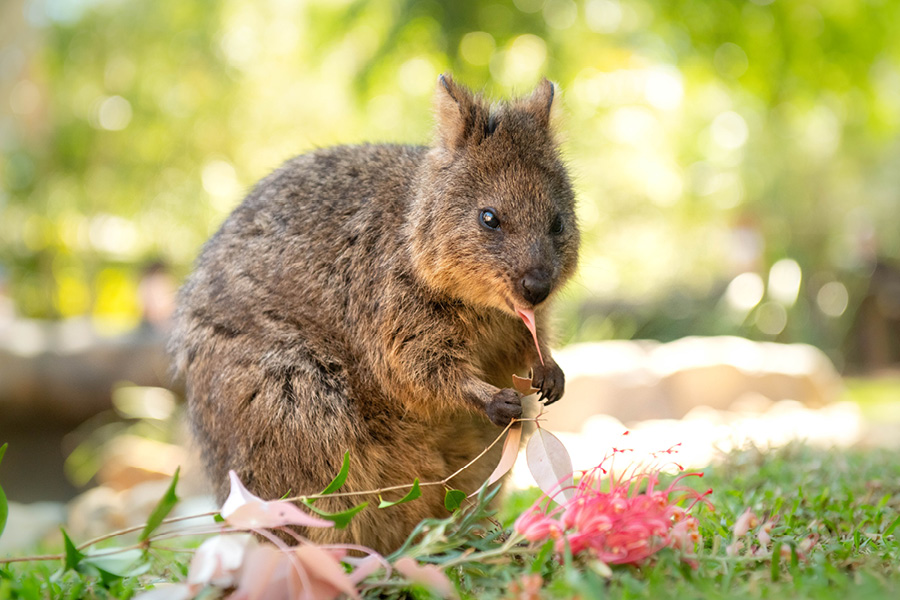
(30, 524)
(640, 380)
(102, 510)
(129, 460)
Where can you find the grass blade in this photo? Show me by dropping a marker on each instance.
(4, 504)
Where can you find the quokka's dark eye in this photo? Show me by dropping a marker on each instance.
(489, 219)
(557, 226)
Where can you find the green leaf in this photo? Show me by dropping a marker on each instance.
(163, 508)
(453, 499)
(341, 519)
(4, 505)
(73, 556)
(890, 529)
(776, 558)
(537, 566)
(414, 493)
(114, 565)
(339, 479)
(218, 518)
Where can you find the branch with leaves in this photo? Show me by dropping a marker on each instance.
(232, 561)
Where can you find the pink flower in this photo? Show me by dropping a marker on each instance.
(621, 525)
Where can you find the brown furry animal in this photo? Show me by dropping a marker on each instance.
(368, 299)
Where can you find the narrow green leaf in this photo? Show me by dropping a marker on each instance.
(537, 566)
(414, 493)
(218, 518)
(890, 529)
(341, 519)
(776, 560)
(339, 479)
(73, 556)
(163, 508)
(453, 499)
(4, 504)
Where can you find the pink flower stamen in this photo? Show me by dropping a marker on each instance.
(622, 524)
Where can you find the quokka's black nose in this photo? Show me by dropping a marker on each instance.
(535, 286)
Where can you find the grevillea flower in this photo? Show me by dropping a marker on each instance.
(626, 523)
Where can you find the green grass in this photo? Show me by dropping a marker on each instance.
(848, 501)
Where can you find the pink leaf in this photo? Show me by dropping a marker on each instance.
(509, 454)
(265, 575)
(427, 575)
(527, 316)
(328, 578)
(550, 464)
(246, 511)
(259, 515)
(365, 567)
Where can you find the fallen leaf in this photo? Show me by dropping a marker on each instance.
(523, 385)
(528, 317)
(428, 575)
(550, 464)
(509, 454)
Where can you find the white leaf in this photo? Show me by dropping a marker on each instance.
(509, 454)
(169, 591)
(218, 560)
(238, 496)
(550, 464)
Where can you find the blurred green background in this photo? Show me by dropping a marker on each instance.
(736, 161)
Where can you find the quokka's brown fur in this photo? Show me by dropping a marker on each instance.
(359, 300)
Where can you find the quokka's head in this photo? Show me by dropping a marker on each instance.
(493, 223)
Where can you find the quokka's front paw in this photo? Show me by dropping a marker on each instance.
(550, 380)
(505, 405)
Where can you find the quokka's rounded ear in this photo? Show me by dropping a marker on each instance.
(457, 112)
(540, 103)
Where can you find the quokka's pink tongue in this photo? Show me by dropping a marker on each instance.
(528, 317)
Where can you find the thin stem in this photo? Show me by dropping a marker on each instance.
(407, 486)
(169, 535)
(140, 527)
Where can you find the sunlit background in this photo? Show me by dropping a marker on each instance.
(736, 161)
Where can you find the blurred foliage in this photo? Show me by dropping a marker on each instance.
(735, 160)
